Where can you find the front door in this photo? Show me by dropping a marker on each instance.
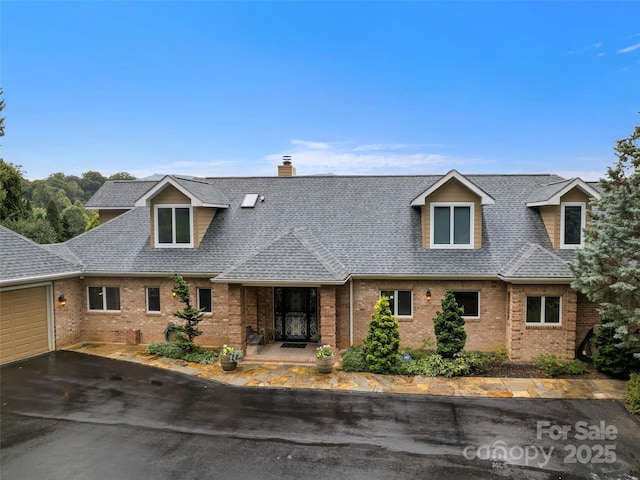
(295, 314)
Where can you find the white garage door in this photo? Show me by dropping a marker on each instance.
(24, 329)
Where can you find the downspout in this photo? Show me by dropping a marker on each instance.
(351, 312)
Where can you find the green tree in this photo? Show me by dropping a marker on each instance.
(90, 183)
(54, 219)
(607, 269)
(190, 314)
(41, 192)
(611, 358)
(12, 203)
(121, 176)
(94, 221)
(74, 221)
(383, 339)
(449, 327)
(35, 228)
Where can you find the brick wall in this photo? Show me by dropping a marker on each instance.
(327, 306)
(68, 318)
(486, 333)
(75, 323)
(528, 341)
(587, 317)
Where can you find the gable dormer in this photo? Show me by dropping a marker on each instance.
(181, 211)
(563, 208)
(452, 213)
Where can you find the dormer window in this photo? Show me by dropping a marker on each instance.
(174, 226)
(452, 225)
(572, 223)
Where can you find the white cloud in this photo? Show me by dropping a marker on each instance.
(586, 175)
(370, 159)
(598, 44)
(630, 48)
(312, 145)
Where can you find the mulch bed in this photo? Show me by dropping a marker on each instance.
(508, 369)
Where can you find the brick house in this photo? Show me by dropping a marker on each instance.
(308, 257)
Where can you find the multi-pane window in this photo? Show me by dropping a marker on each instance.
(173, 226)
(544, 309)
(470, 301)
(400, 302)
(452, 225)
(572, 221)
(204, 299)
(153, 299)
(104, 298)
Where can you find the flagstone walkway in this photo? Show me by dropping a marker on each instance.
(286, 375)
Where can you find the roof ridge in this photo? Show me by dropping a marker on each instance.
(303, 234)
(519, 258)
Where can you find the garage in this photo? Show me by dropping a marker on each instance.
(24, 323)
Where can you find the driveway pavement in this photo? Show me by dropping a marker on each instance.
(68, 415)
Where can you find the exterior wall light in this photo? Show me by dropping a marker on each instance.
(428, 295)
(62, 300)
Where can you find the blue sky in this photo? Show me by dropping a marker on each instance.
(226, 88)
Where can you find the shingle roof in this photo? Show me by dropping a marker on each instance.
(119, 193)
(200, 192)
(23, 261)
(362, 223)
(532, 260)
(297, 256)
(550, 194)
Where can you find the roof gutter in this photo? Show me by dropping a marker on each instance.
(400, 276)
(274, 282)
(537, 280)
(42, 278)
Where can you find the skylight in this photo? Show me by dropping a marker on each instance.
(249, 200)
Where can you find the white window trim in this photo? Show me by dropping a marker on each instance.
(542, 311)
(476, 317)
(211, 298)
(173, 226)
(147, 300)
(395, 294)
(451, 224)
(104, 300)
(583, 221)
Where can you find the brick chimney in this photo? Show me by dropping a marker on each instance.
(286, 169)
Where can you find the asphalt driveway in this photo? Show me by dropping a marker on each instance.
(66, 415)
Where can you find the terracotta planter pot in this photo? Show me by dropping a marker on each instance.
(226, 363)
(325, 364)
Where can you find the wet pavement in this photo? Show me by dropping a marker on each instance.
(304, 375)
(76, 416)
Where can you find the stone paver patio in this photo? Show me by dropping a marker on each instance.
(251, 373)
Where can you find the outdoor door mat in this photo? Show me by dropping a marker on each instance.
(293, 345)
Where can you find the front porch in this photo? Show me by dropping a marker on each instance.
(276, 353)
(290, 314)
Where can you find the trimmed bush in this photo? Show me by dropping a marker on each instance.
(449, 327)
(383, 340)
(633, 393)
(434, 364)
(183, 351)
(609, 357)
(551, 366)
(353, 360)
(190, 314)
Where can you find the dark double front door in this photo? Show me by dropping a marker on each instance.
(295, 314)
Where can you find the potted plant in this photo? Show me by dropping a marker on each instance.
(229, 358)
(324, 359)
(270, 336)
